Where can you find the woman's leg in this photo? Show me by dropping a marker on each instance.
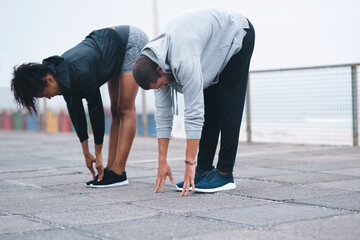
(126, 111)
(113, 87)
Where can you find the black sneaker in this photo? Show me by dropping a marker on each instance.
(111, 180)
(199, 175)
(87, 184)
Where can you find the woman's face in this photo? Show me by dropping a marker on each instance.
(52, 89)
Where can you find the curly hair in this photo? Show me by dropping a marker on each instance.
(28, 83)
(144, 72)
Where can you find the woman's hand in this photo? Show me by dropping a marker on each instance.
(89, 160)
(99, 166)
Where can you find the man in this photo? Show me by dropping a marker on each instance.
(204, 54)
(105, 55)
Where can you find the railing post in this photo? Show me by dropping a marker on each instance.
(39, 116)
(44, 120)
(248, 112)
(144, 113)
(355, 119)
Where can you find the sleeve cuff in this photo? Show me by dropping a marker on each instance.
(163, 134)
(99, 140)
(193, 134)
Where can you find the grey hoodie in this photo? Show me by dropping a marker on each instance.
(195, 47)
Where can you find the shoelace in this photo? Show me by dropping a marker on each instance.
(211, 176)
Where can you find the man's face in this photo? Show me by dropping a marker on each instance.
(161, 81)
(52, 89)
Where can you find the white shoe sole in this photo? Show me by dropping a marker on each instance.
(229, 186)
(180, 189)
(110, 185)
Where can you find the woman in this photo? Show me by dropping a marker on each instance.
(105, 55)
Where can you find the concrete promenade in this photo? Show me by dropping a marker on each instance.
(283, 191)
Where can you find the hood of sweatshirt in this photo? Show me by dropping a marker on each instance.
(158, 51)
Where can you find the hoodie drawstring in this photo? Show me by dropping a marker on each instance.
(174, 102)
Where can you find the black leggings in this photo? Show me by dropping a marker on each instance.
(224, 104)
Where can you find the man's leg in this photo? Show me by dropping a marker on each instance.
(232, 91)
(210, 131)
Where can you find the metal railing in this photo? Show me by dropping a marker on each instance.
(307, 105)
(303, 105)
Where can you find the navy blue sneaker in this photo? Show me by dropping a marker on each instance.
(199, 175)
(111, 180)
(87, 184)
(215, 181)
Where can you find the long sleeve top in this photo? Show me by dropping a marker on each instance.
(195, 47)
(82, 70)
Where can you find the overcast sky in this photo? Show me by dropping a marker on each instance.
(289, 33)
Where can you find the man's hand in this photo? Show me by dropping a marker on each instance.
(163, 171)
(188, 179)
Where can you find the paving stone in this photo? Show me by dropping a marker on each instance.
(242, 184)
(251, 172)
(63, 179)
(50, 234)
(68, 202)
(134, 173)
(19, 224)
(163, 226)
(146, 192)
(352, 184)
(337, 227)
(178, 177)
(303, 178)
(42, 193)
(350, 201)
(287, 192)
(348, 171)
(106, 213)
(6, 186)
(39, 162)
(197, 202)
(25, 174)
(313, 166)
(9, 168)
(265, 162)
(12, 197)
(268, 214)
(246, 234)
(79, 188)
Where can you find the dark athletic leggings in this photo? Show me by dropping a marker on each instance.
(224, 104)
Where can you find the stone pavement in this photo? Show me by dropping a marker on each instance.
(283, 191)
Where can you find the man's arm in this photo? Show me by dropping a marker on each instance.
(191, 79)
(164, 121)
(163, 168)
(192, 147)
(163, 113)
